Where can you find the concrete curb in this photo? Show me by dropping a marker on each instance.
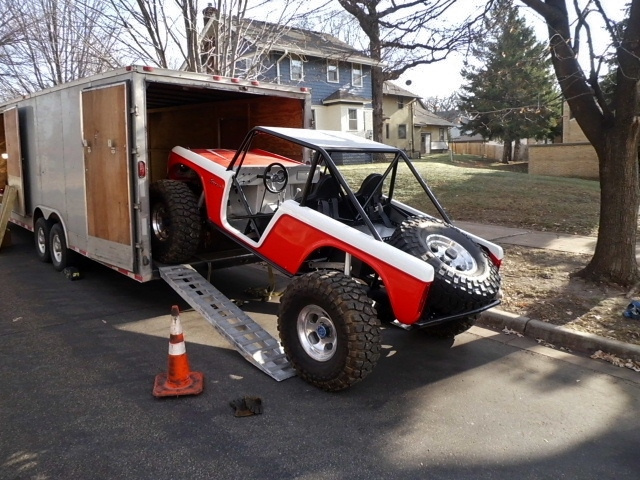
(557, 335)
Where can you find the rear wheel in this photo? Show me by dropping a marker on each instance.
(58, 245)
(329, 329)
(42, 230)
(175, 222)
(464, 277)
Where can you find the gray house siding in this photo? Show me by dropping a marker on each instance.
(315, 77)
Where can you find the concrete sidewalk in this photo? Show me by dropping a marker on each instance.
(561, 242)
(553, 334)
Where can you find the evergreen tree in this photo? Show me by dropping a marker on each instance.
(512, 95)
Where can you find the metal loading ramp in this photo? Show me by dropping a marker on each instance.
(250, 339)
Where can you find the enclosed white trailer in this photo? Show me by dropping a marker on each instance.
(82, 155)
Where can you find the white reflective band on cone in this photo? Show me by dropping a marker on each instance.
(177, 348)
(176, 327)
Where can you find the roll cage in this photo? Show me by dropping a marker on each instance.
(318, 147)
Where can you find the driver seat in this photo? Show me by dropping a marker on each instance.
(371, 187)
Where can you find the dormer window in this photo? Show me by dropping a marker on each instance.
(333, 74)
(297, 69)
(356, 74)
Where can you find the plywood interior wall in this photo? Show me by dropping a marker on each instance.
(215, 125)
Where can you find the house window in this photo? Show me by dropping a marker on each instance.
(402, 131)
(313, 119)
(278, 73)
(400, 102)
(332, 71)
(353, 119)
(442, 134)
(356, 74)
(386, 130)
(297, 71)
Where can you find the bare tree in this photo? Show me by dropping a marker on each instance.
(58, 41)
(9, 31)
(442, 104)
(156, 32)
(227, 42)
(235, 45)
(611, 123)
(338, 23)
(403, 35)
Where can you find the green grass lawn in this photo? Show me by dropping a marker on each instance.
(499, 197)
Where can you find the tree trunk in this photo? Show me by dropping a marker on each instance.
(516, 150)
(506, 151)
(615, 256)
(377, 90)
(612, 128)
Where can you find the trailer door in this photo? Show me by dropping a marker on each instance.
(107, 174)
(14, 157)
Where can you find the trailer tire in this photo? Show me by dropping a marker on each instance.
(464, 277)
(329, 329)
(58, 246)
(41, 232)
(175, 222)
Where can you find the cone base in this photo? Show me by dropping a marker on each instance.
(161, 387)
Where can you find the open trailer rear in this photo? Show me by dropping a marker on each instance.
(83, 155)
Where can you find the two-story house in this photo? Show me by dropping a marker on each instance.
(337, 75)
(409, 125)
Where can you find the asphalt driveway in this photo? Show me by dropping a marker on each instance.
(78, 360)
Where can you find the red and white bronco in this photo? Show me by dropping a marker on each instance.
(357, 256)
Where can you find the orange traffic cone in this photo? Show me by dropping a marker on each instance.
(179, 380)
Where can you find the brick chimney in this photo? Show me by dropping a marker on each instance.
(208, 12)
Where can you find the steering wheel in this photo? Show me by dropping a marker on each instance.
(275, 177)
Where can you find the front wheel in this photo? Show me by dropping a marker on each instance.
(329, 329)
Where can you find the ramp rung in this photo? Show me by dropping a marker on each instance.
(253, 342)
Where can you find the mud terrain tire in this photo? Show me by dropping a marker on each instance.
(175, 222)
(465, 278)
(329, 329)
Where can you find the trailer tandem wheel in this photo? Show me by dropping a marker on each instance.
(58, 245)
(42, 231)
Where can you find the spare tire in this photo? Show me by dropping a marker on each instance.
(175, 222)
(465, 278)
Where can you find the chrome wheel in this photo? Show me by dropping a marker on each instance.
(159, 223)
(56, 248)
(317, 333)
(41, 241)
(451, 253)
